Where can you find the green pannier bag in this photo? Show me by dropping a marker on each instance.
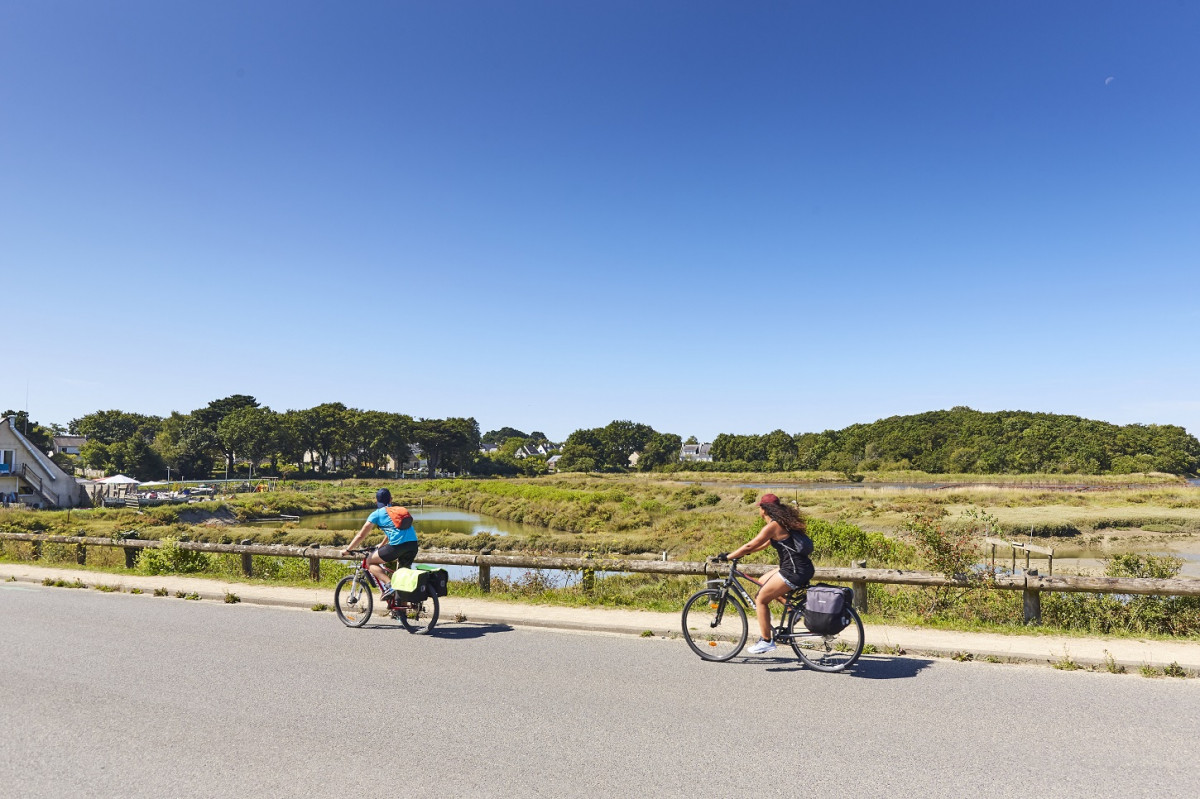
(410, 584)
(439, 579)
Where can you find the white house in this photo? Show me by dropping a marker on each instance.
(696, 452)
(29, 476)
(532, 450)
(71, 445)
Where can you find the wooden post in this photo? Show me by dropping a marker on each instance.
(131, 553)
(1032, 600)
(859, 587)
(247, 560)
(81, 554)
(485, 572)
(314, 565)
(37, 550)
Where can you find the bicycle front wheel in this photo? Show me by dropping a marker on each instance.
(352, 600)
(422, 616)
(712, 631)
(827, 652)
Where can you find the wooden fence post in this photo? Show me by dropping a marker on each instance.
(485, 574)
(314, 565)
(1032, 600)
(81, 554)
(131, 553)
(859, 587)
(247, 561)
(37, 550)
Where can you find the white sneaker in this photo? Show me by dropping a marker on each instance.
(762, 647)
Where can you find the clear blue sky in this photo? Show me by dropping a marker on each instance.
(704, 216)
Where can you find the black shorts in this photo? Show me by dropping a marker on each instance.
(796, 581)
(404, 554)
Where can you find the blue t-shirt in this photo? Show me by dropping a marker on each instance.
(394, 534)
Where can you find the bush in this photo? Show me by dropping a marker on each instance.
(170, 558)
(1109, 613)
(841, 542)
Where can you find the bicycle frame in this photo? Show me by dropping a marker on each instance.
(363, 567)
(793, 602)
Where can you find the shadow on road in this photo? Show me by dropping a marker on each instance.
(881, 667)
(465, 631)
(456, 631)
(868, 667)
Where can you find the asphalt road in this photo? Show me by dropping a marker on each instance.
(114, 695)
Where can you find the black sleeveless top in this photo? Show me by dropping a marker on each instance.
(795, 557)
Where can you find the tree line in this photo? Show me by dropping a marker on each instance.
(324, 439)
(333, 437)
(965, 441)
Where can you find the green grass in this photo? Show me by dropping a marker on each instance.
(631, 514)
(622, 515)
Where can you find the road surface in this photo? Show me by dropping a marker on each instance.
(135, 696)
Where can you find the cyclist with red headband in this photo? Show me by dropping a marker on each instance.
(401, 542)
(786, 531)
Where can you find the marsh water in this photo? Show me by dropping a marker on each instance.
(432, 518)
(435, 519)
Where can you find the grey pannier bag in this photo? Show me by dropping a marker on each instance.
(825, 609)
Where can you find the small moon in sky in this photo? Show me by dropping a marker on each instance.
(1109, 80)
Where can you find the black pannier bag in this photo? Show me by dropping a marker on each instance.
(437, 580)
(825, 609)
(410, 585)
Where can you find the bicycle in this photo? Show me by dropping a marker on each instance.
(715, 626)
(354, 603)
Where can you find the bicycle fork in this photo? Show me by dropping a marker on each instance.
(724, 592)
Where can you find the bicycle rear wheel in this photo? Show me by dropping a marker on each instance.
(827, 652)
(422, 616)
(713, 632)
(352, 600)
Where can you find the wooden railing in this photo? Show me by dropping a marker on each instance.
(1031, 584)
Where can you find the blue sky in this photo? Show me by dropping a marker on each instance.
(705, 216)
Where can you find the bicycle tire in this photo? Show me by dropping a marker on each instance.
(828, 653)
(353, 601)
(421, 618)
(712, 633)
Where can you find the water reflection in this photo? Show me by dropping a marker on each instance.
(430, 519)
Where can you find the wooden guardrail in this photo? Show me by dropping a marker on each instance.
(1031, 584)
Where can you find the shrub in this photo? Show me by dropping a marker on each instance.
(170, 558)
(1109, 613)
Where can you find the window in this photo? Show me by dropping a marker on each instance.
(8, 459)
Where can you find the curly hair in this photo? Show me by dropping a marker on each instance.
(788, 517)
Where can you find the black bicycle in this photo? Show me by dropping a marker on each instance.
(715, 626)
(353, 601)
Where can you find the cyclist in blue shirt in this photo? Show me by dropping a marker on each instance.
(401, 542)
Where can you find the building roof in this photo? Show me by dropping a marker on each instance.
(49, 466)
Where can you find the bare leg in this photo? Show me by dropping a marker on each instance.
(375, 564)
(773, 588)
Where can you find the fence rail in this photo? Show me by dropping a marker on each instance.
(1031, 583)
